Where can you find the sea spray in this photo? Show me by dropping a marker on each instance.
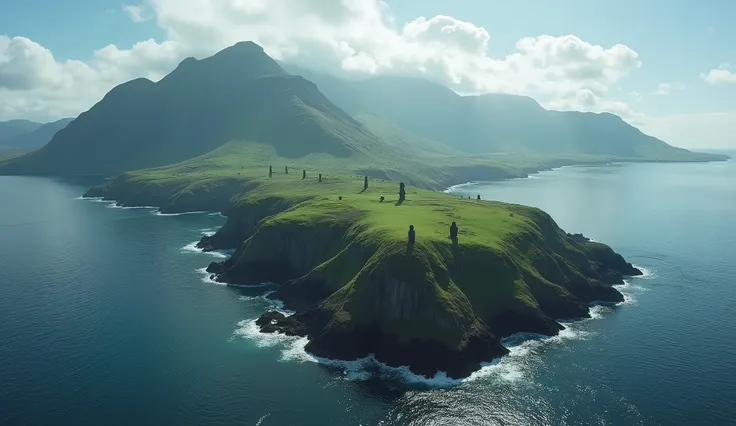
(192, 248)
(524, 349)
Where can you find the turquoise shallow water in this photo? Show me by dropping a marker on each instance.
(105, 319)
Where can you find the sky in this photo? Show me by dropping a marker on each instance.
(662, 65)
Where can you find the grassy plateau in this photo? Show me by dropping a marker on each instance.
(343, 262)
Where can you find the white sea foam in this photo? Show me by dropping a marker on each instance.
(647, 273)
(158, 213)
(208, 232)
(192, 248)
(258, 423)
(206, 278)
(523, 348)
(275, 303)
(115, 205)
(458, 186)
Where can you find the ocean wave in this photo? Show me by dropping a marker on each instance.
(509, 368)
(523, 349)
(206, 278)
(647, 273)
(115, 205)
(458, 186)
(275, 304)
(158, 213)
(208, 232)
(192, 248)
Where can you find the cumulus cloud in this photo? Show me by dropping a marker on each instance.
(137, 13)
(33, 84)
(720, 75)
(662, 89)
(338, 36)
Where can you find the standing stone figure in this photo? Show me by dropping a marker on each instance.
(402, 191)
(453, 231)
(412, 234)
(365, 183)
(270, 171)
(478, 196)
(304, 174)
(286, 169)
(320, 177)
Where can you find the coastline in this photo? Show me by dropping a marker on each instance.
(249, 220)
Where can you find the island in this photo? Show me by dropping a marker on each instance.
(331, 189)
(338, 247)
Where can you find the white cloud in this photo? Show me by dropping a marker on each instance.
(662, 89)
(137, 13)
(349, 36)
(694, 131)
(720, 75)
(33, 84)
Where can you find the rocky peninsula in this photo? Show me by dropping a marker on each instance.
(342, 260)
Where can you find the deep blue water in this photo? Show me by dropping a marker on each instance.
(105, 319)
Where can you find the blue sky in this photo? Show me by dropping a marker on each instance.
(677, 40)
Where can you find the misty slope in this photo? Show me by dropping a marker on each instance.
(12, 129)
(239, 93)
(493, 123)
(38, 137)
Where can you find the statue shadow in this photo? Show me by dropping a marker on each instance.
(364, 189)
(400, 202)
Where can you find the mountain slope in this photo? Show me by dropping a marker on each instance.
(10, 130)
(239, 93)
(38, 137)
(494, 123)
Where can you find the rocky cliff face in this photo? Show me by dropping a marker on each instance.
(344, 265)
(433, 305)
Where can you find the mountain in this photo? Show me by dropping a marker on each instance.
(10, 130)
(240, 93)
(37, 137)
(493, 123)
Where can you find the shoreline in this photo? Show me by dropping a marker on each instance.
(209, 278)
(369, 368)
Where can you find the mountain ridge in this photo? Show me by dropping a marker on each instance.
(490, 123)
(239, 93)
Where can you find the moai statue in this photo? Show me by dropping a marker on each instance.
(320, 177)
(478, 197)
(453, 231)
(270, 171)
(412, 234)
(402, 191)
(382, 198)
(304, 174)
(365, 183)
(286, 169)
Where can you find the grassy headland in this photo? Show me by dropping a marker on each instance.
(343, 263)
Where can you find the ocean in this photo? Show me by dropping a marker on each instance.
(107, 318)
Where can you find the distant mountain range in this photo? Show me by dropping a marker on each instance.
(28, 135)
(492, 123)
(242, 94)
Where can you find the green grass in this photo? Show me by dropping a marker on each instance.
(508, 258)
(351, 254)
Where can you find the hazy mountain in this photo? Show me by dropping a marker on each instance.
(239, 93)
(492, 123)
(38, 137)
(10, 130)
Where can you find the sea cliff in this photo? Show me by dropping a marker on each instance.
(342, 261)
